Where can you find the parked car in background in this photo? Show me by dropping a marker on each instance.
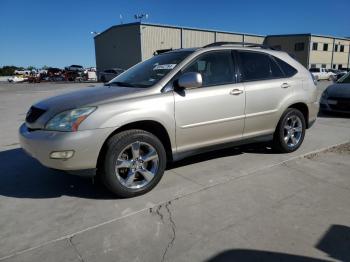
(338, 73)
(17, 79)
(22, 72)
(74, 68)
(336, 98)
(170, 106)
(322, 74)
(109, 74)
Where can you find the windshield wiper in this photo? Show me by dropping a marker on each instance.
(117, 83)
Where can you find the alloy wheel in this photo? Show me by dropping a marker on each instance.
(136, 165)
(292, 130)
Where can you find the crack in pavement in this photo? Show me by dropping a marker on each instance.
(75, 249)
(173, 228)
(158, 213)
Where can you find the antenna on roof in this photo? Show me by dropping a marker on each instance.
(140, 17)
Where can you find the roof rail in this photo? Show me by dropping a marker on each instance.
(244, 44)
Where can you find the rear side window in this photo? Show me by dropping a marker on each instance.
(258, 66)
(287, 69)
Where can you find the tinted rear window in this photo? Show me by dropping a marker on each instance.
(286, 68)
(258, 66)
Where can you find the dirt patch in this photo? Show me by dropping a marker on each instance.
(341, 149)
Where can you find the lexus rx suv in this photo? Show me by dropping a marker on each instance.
(173, 105)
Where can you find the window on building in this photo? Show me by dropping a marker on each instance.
(314, 46)
(258, 66)
(313, 66)
(341, 48)
(323, 65)
(334, 66)
(335, 48)
(340, 66)
(216, 68)
(299, 46)
(314, 70)
(325, 47)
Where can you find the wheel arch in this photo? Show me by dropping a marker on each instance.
(303, 108)
(150, 126)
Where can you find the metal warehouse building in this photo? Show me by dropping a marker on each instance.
(314, 50)
(124, 45)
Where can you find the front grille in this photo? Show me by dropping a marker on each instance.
(33, 114)
(342, 104)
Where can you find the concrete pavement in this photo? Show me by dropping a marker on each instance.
(238, 204)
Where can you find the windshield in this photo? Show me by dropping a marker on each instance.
(344, 79)
(151, 71)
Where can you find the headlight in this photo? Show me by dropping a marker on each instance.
(69, 120)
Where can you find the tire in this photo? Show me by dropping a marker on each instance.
(127, 175)
(297, 130)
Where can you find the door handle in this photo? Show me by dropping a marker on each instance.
(236, 92)
(285, 85)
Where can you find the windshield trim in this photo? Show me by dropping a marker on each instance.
(140, 85)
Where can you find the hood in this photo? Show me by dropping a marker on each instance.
(91, 96)
(339, 90)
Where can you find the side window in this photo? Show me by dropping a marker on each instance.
(215, 67)
(325, 47)
(287, 68)
(258, 66)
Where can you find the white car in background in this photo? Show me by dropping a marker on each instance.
(322, 74)
(17, 79)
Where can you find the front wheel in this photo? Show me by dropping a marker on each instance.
(134, 163)
(290, 131)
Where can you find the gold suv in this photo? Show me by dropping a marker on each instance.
(172, 105)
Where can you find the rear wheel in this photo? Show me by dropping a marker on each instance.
(134, 163)
(290, 131)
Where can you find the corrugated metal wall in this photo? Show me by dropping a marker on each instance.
(118, 47)
(229, 37)
(195, 38)
(253, 39)
(125, 45)
(155, 38)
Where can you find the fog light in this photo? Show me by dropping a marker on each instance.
(62, 154)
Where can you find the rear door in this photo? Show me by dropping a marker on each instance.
(266, 88)
(213, 113)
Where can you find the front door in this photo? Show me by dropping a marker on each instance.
(214, 113)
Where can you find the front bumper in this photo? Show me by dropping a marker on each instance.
(85, 144)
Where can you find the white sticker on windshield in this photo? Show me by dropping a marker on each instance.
(164, 67)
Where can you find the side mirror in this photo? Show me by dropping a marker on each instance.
(190, 80)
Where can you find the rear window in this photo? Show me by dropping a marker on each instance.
(287, 69)
(258, 66)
